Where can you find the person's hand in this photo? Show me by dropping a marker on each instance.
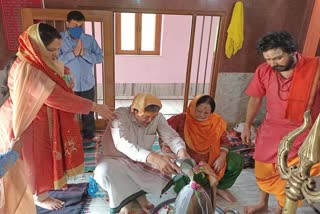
(77, 49)
(219, 163)
(203, 167)
(104, 111)
(163, 163)
(246, 134)
(182, 153)
(82, 52)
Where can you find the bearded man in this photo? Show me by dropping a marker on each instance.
(290, 83)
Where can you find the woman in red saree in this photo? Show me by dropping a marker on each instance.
(40, 112)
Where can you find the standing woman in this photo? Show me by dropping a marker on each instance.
(40, 111)
(203, 131)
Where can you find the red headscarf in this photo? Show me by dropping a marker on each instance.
(66, 139)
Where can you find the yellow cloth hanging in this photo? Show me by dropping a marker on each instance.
(235, 30)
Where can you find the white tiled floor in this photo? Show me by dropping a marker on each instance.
(245, 190)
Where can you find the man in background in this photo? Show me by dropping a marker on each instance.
(80, 52)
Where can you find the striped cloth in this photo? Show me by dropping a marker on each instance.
(90, 148)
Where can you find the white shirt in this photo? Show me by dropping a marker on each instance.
(135, 141)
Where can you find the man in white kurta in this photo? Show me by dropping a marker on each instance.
(128, 168)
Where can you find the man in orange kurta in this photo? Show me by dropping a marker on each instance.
(290, 83)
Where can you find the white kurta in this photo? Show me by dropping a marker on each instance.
(122, 170)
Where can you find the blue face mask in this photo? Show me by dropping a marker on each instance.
(75, 32)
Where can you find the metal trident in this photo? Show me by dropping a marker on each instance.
(300, 184)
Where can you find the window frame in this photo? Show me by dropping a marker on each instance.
(138, 36)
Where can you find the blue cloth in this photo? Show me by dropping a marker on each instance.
(7, 160)
(81, 66)
(93, 189)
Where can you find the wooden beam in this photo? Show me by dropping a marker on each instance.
(108, 44)
(218, 56)
(27, 18)
(313, 34)
(189, 65)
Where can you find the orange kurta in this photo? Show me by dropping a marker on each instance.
(37, 149)
(283, 116)
(40, 112)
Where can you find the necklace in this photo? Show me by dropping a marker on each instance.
(285, 87)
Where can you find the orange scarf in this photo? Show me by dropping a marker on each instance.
(66, 139)
(204, 136)
(303, 88)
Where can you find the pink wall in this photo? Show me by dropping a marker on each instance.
(170, 66)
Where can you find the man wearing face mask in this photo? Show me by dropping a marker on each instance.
(290, 83)
(80, 52)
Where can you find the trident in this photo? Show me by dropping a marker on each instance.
(300, 184)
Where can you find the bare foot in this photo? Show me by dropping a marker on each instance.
(126, 209)
(226, 195)
(145, 204)
(258, 208)
(50, 204)
(65, 187)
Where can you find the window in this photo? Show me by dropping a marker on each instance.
(138, 33)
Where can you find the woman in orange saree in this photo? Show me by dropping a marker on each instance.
(203, 131)
(40, 111)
